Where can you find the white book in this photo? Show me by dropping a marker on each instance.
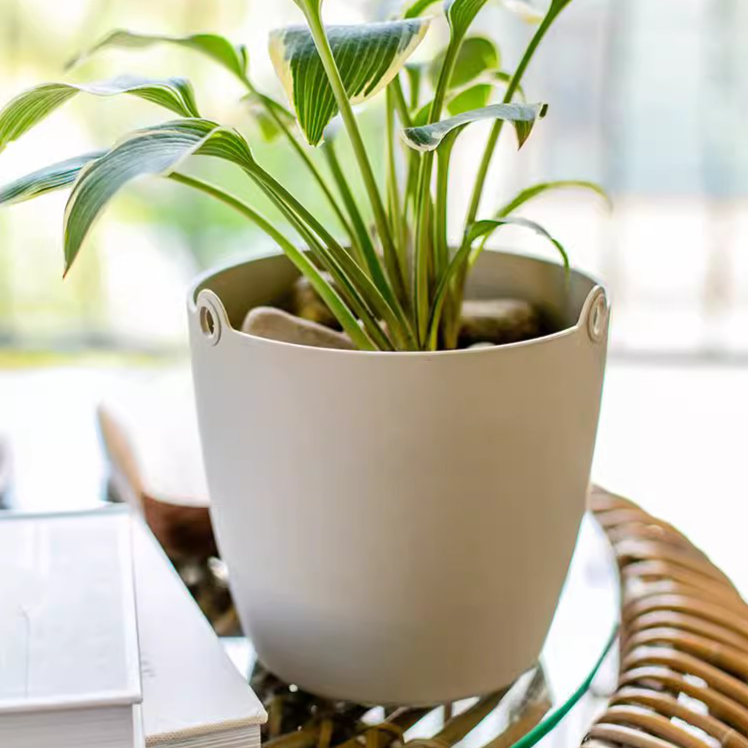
(69, 662)
(193, 695)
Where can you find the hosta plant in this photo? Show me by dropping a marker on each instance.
(395, 283)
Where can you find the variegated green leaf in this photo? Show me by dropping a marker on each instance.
(49, 179)
(538, 189)
(475, 96)
(219, 49)
(461, 14)
(31, 107)
(484, 229)
(368, 57)
(476, 55)
(157, 151)
(522, 117)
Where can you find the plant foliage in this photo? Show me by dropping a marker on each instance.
(395, 285)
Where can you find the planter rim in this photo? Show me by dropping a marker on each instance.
(198, 299)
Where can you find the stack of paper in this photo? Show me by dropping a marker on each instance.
(101, 645)
(69, 669)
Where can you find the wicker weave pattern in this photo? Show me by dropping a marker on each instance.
(684, 641)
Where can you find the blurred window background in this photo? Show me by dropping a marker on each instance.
(648, 98)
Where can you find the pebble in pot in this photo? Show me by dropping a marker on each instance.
(498, 321)
(306, 303)
(275, 324)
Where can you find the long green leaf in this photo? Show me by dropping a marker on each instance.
(466, 255)
(538, 189)
(485, 228)
(157, 151)
(219, 49)
(49, 179)
(514, 85)
(368, 57)
(521, 116)
(325, 290)
(31, 107)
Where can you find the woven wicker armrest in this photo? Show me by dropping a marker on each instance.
(684, 640)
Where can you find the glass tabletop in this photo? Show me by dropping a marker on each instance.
(581, 636)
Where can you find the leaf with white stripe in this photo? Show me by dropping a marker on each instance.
(49, 179)
(157, 152)
(368, 58)
(521, 116)
(31, 107)
(234, 58)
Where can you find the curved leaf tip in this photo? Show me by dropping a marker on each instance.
(521, 116)
(484, 229)
(234, 58)
(31, 107)
(155, 151)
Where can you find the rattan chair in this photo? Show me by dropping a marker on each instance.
(684, 641)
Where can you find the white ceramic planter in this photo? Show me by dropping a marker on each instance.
(398, 527)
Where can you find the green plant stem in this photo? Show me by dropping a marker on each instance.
(423, 203)
(370, 183)
(327, 260)
(441, 255)
(393, 190)
(493, 138)
(323, 288)
(314, 171)
(402, 108)
(366, 247)
(386, 304)
(454, 304)
(413, 160)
